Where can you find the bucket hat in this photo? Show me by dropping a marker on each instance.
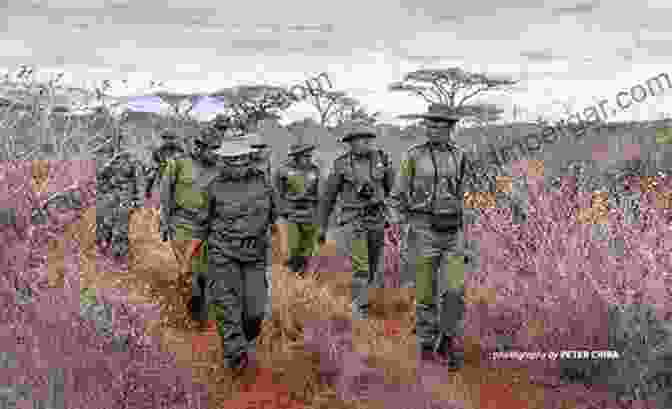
(440, 112)
(299, 148)
(169, 135)
(234, 146)
(256, 141)
(354, 131)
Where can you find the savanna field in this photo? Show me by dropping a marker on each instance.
(545, 288)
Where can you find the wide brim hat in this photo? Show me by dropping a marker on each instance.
(440, 112)
(299, 148)
(209, 137)
(169, 135)
(256, 141)
(234, 146)
(359, 131)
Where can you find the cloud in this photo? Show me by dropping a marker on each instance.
(541, 56)
(656, 48)
(626, 53)
(429, 59)
(447, 19)
(311, 28)
(118, 4)
(580, 9)
(128, 68)
(256, 45)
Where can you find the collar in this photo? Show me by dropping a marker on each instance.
(367, 155)
(441, 146)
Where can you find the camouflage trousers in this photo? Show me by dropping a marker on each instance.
(301, 243)
(197, 272)
(364, 242)
(407, 256)
(237, 297)
(439, 282)
(112, 223)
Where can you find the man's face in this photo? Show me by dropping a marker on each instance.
(361, 145)
(304, 158)
(440, 131)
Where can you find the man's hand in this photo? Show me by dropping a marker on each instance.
(322, 238)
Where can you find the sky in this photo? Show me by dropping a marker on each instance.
(565, 54)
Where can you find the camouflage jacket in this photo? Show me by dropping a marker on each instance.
(181, 199)
(263, 162)
(123, 180)
(239, 210)
(431, 180)
(298, 192)
(160, 156)
(349, 180)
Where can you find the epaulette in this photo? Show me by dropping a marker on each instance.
(342, 156)
(286, 162)
(416, 147)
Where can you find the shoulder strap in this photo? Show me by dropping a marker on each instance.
(460, 164)
(436, 174)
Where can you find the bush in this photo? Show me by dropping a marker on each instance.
(550, 270)
(100, 346)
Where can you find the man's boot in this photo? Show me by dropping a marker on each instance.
(290, 263)
(301, 266)
(295, 265)
(449, 352)
(197, 302)
(449, 343)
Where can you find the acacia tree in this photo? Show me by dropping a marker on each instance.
(248, 105)
(454, 87)
(333, 107)
(324, 99)
(354, 111)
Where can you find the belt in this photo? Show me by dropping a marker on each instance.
(246, 243)
(371, 210)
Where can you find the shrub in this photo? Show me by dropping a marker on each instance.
(549, 269)
(100, 346)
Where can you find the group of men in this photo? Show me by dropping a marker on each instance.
(220, 202)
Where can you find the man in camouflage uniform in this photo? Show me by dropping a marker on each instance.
(168, 149)
(262, 152)
(262, 157)
(235, 221)
(296, 183)
(180, 203)
(362, 178)
(104, 204)
(122, 191)
(428, 195)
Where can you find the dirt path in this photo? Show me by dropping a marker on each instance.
(287, 370)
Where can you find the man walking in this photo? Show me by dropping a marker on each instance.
(361, 178)
(262, 157)
(121, 193)
(428, 195)
(180, 203)
(297, 185)
(168, 149)
(239, 211)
